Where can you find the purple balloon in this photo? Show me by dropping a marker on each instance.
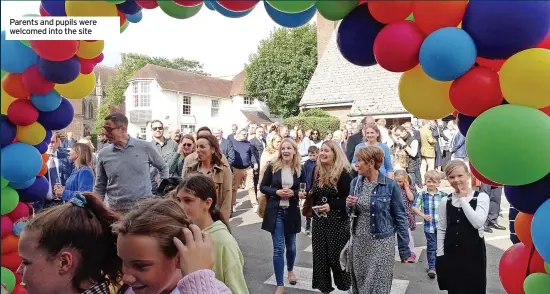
(356, 36)
(59, 118)
(501, 29)
(528, 198)
(42, 147)
(8, 131)
(54, 8)
(464, 122)
(129, 7)
(59, 72)
(36, 192)
(48, 137)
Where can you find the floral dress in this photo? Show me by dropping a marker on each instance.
(408, 207)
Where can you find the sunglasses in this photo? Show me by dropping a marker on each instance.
(157, 128)
(187, 145)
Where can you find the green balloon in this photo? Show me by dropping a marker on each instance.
(4, 181)
(537, 284)
(9, 200)
(3, 74)
(547, 267)
(292, 6)
(336, 10)
(509, 144)
(176, 11)
(115, 1)
(124, 26)
(8, 279)
(410, 17)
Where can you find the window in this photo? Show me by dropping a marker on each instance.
(248, 101)
(142, 132)
(186, 110)
(215, 109)
(141, 94)
(187, 129)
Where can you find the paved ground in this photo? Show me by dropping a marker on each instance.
(408, 278)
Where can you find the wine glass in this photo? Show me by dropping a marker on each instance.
(57, 184)
(351, 212)
(285, 202)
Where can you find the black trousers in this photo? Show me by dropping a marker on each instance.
(495, 195)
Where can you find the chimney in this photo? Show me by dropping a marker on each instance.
(325, 28)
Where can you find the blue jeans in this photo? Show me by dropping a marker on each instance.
(431, 244)
(279, 241)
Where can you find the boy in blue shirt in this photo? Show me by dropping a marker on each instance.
(309, 168)
(426, 205)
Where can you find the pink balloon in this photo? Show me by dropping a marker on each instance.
(43, 11)
(397, 46)
(7, 226)
(86, 66)
(35, 83)
(98, 59)
(22, 210)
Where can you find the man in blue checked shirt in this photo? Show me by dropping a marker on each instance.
(426, 205)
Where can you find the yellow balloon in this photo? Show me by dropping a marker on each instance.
(90, 8)
(423, 96)
(32, 134)
(81, 87)
(525, 78)
(7, 99)
(89, 50)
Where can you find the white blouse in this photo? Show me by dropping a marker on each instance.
(477, 217)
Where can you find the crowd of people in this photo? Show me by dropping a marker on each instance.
(153, 216)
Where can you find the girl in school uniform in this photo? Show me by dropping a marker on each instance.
(461, 262)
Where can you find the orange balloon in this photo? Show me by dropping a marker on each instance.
(522, 225)
(433, 15)
(13, 85)
(390, 11)
(43, 170)
(9, 244)
(45, 157)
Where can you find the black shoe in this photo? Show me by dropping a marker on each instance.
(497, 226)
(488, 230)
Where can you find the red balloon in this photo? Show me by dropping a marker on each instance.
(12, 83)
(455, 113)
(55, 50)
(147, 4)
(476, 91)
(390, 11)
(86, 66)
(546, 110)
(98, 59)
(188, 3)
(43, 11)
(397, 46)
(35, 82)
(513, 267)
(18, 280)
(238, 6)
(11, 261)
(545, 43)
(122, 17)
(22, 210)
(22, 113)
(18, 289)
(494, 64)
(481, 178)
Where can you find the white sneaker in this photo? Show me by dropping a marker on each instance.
(234, 209)
(255, 207)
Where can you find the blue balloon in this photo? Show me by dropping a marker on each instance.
(42, 147)
(36, 192)
(59, 72)
(49, 135)
(209, 5)
(20, 162)
(501, 29)
(15, 57)
(129, 7)
(540, 231)
(464, 122)
(528, 198)
(290, 20)
(47, 102)
(356, 36)
(22, 185)
(134, 18)
(229, 13)
(8, 131)
(54, 8)
(447, 54)
(59, 118)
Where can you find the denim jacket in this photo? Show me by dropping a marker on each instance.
(387, 212)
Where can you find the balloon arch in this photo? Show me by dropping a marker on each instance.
(487, 60)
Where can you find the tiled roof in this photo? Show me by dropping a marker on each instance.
(370, 90)
(238, 85)
(256, 117)
(186, 82)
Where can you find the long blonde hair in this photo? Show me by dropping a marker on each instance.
(84, 152)
(295, 165)
(329, 174)
(270, 147)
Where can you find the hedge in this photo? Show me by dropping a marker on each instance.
(315, 119)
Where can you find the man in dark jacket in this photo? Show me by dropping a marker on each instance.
(258, 145)
(356, 139)
(244, 166)
(226, 146)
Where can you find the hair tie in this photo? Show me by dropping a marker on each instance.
(78, 200)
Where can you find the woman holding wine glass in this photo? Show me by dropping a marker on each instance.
(280, 184)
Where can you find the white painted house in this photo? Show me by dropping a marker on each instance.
(188, 101)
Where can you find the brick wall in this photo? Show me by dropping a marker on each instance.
(325, 28)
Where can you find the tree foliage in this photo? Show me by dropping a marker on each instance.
(315, 119)
(281, 69)
(131, 63)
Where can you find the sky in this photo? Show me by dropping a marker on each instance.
(223, 45)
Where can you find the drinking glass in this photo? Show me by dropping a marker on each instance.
(352, 209)
(57, 184)
(285, 202)
(302, 187)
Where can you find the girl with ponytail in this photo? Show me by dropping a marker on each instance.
(197, 196)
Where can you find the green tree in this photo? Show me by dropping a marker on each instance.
(131, 63)
(316, 119)
(281, 69)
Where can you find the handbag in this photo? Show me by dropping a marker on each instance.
(262, 200)
(307, 209)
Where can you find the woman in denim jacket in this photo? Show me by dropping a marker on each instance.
(378, 214)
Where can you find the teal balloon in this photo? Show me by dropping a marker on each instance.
(9, 200)
(4, 182)
(337, 9)
(8, 279)
(537, 283)
(509, 144)
(291, 6)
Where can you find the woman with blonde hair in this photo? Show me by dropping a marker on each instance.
(330, 227)
(273, 141)
(373, 137)
(460, 235)
(82, 176)
(92, 149)
(378, 213)
(280, 184)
